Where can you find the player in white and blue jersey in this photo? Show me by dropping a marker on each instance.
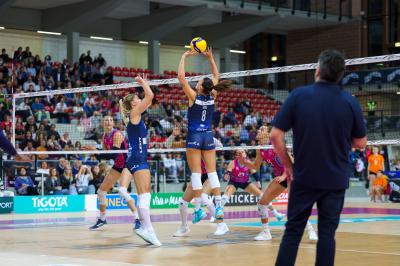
(136, 165)
(200, 142)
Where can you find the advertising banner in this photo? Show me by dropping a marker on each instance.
(115, 202)
(6, 204)
(165, 200)
(38, 204)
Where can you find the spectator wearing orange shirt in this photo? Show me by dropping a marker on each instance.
(376, 163)
(379, 186)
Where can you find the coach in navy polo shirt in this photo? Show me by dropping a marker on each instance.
(327, 122)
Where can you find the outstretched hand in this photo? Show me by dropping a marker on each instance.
(208, 53)
(190, 53)
(140, 80)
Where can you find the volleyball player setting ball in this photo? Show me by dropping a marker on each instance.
(200, 142)
(113, 139)
(136, 165)
(275, 188)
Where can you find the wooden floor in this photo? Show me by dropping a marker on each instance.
(369, 234)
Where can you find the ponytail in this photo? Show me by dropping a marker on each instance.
(221, 86)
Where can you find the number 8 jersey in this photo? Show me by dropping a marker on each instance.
(200, 114)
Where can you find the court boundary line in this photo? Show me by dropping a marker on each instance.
(77, 258)
(338, 249)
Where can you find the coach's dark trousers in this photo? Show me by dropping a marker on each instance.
(301, 200)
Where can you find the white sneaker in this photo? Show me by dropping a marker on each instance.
(264, 235)
(222, 229)
(182, 231)
(212, 219)
(312, 235)
(148, 236)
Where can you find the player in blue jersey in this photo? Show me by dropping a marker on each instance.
(200, 142)
(136, 165)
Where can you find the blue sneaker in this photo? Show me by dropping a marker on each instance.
(198, 215)
(219, 214)
(100, 223)
(138, 224)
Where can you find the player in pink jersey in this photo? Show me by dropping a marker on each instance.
(113, 139)
(275, 188)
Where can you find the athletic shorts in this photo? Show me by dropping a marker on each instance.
(200, 141)
(239, 185)
(134, 167)
(204, 178)
(118, 169)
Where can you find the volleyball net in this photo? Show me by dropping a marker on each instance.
(68, 122)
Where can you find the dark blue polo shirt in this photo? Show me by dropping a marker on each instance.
(324, 119)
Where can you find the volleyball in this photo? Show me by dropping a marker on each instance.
(198, 44)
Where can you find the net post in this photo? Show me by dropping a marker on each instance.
(13, 121)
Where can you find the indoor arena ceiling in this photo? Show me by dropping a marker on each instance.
(170, 21)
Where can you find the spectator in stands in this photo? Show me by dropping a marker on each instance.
(244, 135)
(100, 59)
(23, 109)
(67, 181)
(18, 55)
(61, 111)
(42, 147)
(30, 123)
(24, 184)
(98, 176)
(37, 105)
(31, 70)
(3, 57)
(180, 165)
(88, 58)
(155, 111)
(170, 167)
(91, 160)
(76, 165)
(230, 117)
(88, 108)
(250, 120)
(29, 82)
(53, 132)
(62, 165)
(77, 110)
(52, 185)
(109, 77)
(65, 140)
(82, 180)
(6, 121)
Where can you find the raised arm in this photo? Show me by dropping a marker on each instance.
(191, 94)
(146, 102)
(228, 171)
(213, 65)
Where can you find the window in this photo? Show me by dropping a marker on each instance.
(375, 37)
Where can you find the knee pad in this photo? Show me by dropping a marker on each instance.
(214, 180)
(123, 193)
(263, 211)
(101, 197)
(183, 202)
(196, 181)
(144, 200)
